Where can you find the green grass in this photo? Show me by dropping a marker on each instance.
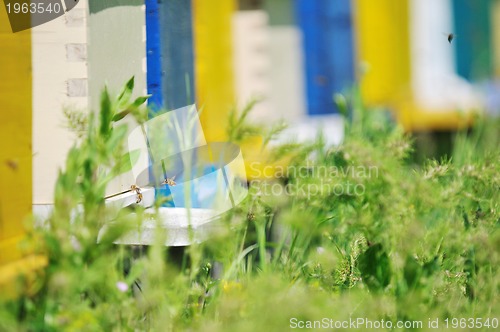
(419, 242)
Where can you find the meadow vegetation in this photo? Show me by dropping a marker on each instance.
(422, 241)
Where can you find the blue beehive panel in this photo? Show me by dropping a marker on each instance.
(177, 58)
(154, 68)
(153, 76)
(473, 41)
(328, 49)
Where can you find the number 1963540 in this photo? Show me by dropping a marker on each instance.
(33, 8)
(471, 323)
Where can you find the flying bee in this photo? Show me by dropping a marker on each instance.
(450, 37)
(137, 192)
(170, 181)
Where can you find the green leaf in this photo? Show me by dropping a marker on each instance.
(106, 113)
(116, 138)
(120, 115)
(126, 92)
(127, 161)
(140, 100)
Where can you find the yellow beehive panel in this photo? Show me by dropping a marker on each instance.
(383, 49)
(15, 136)
(213, 64)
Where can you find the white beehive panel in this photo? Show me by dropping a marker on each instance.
(435, 83)
(117, 51)
(287, 73)
(59, 80)
(252, 60)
